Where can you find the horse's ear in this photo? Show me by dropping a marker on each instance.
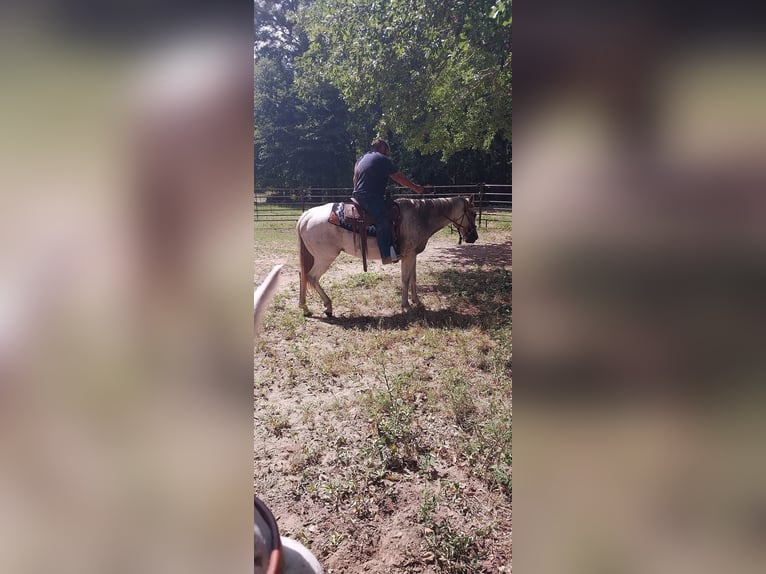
(470, 199)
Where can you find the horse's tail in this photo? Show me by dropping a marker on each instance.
(263, 296)
(306, 263)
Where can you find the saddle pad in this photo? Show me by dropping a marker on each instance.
(345, 215)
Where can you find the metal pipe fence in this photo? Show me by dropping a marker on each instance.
(279, 206)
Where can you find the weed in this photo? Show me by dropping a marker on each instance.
(426, 465)
(396, 443)
(489, 450)
(427, 509)
(335, 538)
(500, 476)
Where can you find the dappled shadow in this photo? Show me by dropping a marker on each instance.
(440, 318)
(474, 297)
(487, 293)
(489, 254)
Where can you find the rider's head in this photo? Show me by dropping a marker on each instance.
(381, 146)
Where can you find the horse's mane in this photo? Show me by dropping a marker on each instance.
(431, 206)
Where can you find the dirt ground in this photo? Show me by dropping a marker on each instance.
(321, 396)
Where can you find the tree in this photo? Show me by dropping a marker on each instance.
(300, 139)
(439, 71)
(276, 32)
(275, 113)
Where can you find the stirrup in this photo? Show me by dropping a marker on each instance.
(394, 255)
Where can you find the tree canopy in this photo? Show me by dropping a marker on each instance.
(433, 76)
(440, 71)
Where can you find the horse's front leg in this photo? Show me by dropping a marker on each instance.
(408, 275)
(413, 284)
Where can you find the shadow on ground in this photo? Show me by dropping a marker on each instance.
(474, 296)
(442, 318)
(491, 254)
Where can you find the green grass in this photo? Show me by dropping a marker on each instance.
(366, 280)
(275, 238)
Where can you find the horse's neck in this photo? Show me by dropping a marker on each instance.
(442, 215)
(432, 215)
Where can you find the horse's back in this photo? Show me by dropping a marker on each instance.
(314, 216)
(316, 231)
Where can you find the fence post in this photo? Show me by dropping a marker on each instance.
(480, 186)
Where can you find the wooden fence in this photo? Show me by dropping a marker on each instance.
(280, 206)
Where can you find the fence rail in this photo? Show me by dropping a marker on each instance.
(282, 205)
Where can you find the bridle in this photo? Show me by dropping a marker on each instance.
(459, 223)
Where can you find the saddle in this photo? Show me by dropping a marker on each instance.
(352, 217)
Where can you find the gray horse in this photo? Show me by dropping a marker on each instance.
(320, 241)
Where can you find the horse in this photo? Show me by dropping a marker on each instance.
(320, 242)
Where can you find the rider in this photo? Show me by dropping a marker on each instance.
(370, 176)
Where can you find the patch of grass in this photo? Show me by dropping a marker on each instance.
(277, 423)
(280, 239)
(488, 291)
(460, 398)
(489, 450)
(281, 318)
(335, 362)
(364, 280)
(427, 509)
(396, 442)
(500, 477)
(335, 539)
(456, 552)
(500, 357)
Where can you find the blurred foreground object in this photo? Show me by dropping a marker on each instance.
(263, 296)
(639, 176)
(125, 285)
(275, 554)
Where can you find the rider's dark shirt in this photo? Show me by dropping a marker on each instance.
(372, 172)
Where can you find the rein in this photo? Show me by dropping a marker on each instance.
(458, 224)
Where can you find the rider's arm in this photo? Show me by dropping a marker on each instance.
(402, 180)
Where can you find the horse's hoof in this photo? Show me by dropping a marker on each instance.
(328, 312)
(307, 313)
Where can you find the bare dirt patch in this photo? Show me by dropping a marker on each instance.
(383, 439)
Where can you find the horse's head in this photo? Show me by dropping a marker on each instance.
(466, 224)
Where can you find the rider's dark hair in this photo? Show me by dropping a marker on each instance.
(376, 143)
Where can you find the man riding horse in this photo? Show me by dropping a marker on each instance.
(370, 176)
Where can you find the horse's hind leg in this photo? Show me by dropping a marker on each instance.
(317, 270)
(302, 295)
